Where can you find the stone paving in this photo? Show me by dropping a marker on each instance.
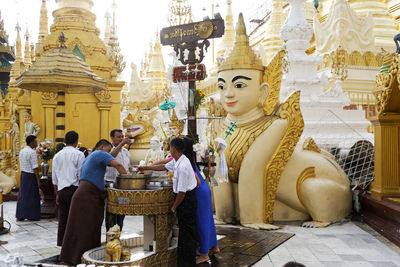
(347, 244)
(344, 244)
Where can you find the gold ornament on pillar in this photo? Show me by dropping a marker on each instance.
(103, 95)
(49, 96)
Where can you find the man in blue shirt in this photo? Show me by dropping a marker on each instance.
(86, 214)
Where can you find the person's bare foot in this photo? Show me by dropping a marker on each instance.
(3, 242)
(214, 250)
(19, 220)
(202, 258)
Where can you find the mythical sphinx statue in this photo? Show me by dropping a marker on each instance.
(115, 249)
(175, 129)
(271, 176)
(7, 172)
(138, 125)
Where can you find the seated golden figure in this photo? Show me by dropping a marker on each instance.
(271, 177)
(175, 128)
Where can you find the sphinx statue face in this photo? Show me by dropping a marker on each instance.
(240, 90)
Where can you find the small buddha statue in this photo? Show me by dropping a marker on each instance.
(30, 127)
(270, 177)
(175, 128)
(155, 153)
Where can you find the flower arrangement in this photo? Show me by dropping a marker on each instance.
(200, 98)
(204, 151)
(44, 151)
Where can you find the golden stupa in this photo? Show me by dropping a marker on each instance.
(72, 85)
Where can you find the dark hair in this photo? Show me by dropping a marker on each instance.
(30, 139)
(112, 133)
(102, 142)
(179, 144)
(84, 151)
(188, 152)
(71, 137)
(59, 147)
(293, 264)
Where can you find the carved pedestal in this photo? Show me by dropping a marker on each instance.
(380, 207)
(387, 157)
(48, 209)
(387, 133)
(155, 206)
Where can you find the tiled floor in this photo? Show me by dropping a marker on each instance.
(37, 240)
(346, 244)
(337, 245)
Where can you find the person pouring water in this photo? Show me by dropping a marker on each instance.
(185, 205)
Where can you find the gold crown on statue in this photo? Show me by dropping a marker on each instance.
(242, 55)
(174, 121)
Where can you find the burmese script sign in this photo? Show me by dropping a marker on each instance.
(193, 73)
(192, 32)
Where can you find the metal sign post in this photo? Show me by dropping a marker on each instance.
(190, 37)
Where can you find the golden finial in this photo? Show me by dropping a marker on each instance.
(175, 121)
(17, 27)
(242, 55)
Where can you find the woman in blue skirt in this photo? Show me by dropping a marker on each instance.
(204, 216)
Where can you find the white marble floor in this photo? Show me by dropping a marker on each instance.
(346, 244)
(38, 240)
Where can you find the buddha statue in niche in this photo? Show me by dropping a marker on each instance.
(272, 177)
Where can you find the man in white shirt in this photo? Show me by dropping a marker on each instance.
(185, 205)
(66, 170)
(122, 155)
(28, 203)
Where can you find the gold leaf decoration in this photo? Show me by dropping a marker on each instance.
(273, 76)
(290, 111)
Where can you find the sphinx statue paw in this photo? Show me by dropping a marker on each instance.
(261, 226)
(315, 224)
(219, 222)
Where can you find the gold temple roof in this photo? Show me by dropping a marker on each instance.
(59, 67)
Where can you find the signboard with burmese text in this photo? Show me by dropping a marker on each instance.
(190, 73)
(192, 32)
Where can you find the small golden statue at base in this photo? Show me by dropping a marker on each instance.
(116, 251)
